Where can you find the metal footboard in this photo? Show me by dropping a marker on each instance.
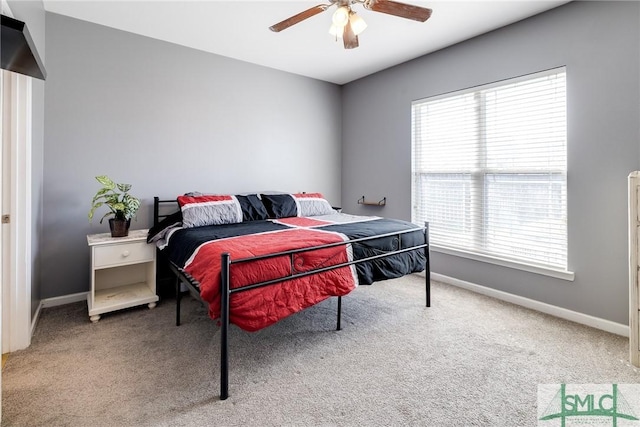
(226, 290)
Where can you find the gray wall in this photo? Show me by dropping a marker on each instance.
(168, 119)
(599, 43)
(33, 14)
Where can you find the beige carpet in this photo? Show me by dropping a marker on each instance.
(468, 360)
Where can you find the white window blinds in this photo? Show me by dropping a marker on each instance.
(490, 169)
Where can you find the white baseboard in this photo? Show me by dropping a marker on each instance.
(65, 299)
(563, 313)
(35, 318)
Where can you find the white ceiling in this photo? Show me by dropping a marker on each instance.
(239, 29)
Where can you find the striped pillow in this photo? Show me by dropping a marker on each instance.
(198, 211)
(312, 204)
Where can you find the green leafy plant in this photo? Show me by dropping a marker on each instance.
(116, 197)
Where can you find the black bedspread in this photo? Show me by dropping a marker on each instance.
(389, 267)
(184, 242)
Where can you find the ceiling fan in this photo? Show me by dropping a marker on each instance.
(347, 25)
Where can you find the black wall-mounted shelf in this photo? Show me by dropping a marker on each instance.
(362, 201)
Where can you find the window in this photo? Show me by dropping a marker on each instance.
(490, 170)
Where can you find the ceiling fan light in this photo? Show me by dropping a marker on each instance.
(341, 16)
(336, 31)
(357, 23)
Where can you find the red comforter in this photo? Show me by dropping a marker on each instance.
(257, 308)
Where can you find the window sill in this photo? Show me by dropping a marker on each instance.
(531, 268)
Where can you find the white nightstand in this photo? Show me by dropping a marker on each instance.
(123, 272)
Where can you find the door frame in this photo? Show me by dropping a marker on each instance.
(16, 262)
(16, 304)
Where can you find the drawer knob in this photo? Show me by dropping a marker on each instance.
(126, 254)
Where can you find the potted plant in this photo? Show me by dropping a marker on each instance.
(122, 205)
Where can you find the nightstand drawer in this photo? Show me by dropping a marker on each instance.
(124, 253)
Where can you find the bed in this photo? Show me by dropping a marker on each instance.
(256, 259)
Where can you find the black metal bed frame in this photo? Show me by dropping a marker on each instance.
(226, 291)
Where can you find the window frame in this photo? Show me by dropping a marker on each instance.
(479, 176)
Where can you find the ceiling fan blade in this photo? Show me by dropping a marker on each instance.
(299, 17)
(349, 37)
(402, 10)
